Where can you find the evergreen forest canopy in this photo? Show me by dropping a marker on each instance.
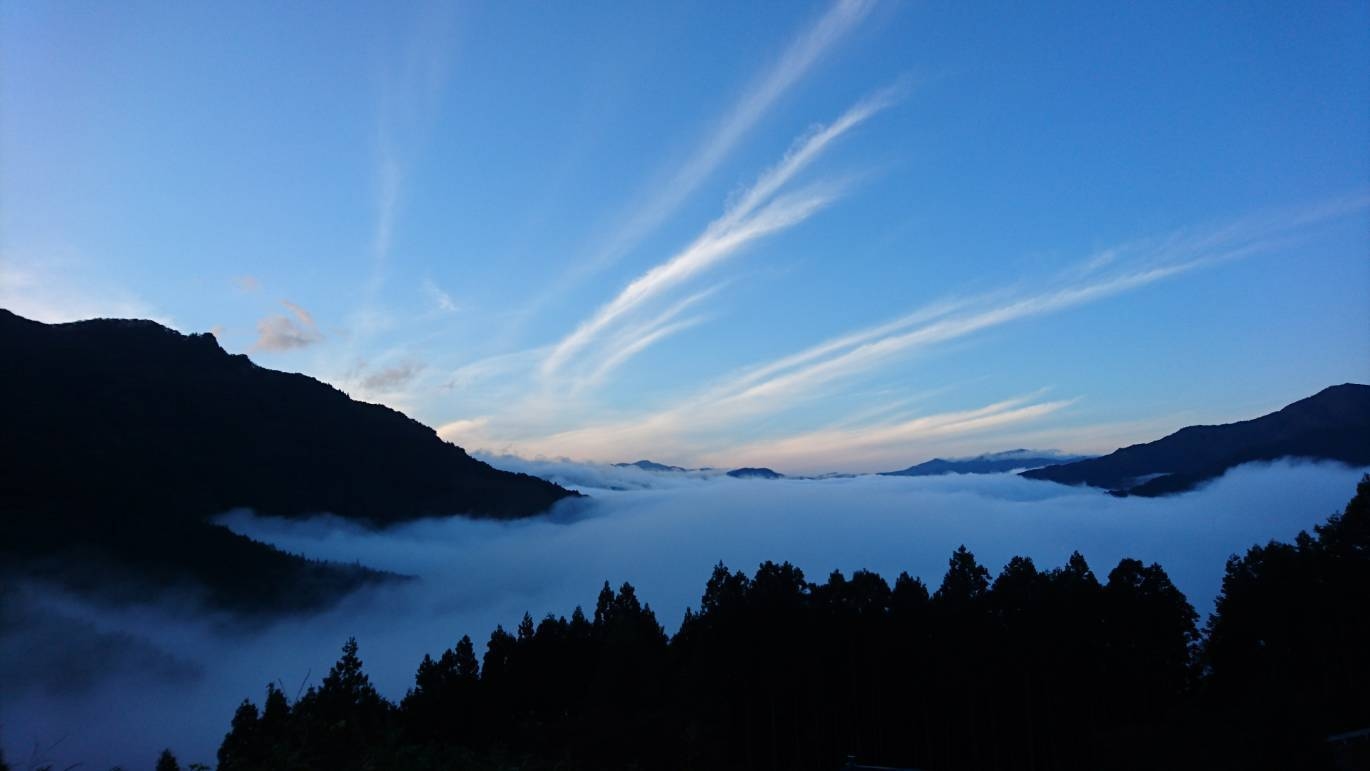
(1029, 669)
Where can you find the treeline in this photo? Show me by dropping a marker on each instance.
(114, 562)
(1030, 669)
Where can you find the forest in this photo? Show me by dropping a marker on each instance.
(1030, 669)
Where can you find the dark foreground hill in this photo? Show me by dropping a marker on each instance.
(120, 435)
(1333, 424)
(989, 463)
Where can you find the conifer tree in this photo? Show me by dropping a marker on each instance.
(167, 762)
(965, 581)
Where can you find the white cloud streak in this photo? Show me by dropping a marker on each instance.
(441, 300)
(759, 211)
(636, 339)
(409, 98)
(865, 448)
(801, 55)
(705, 426)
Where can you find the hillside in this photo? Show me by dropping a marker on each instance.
(989, 463)
(119, 432)
(1333, 424)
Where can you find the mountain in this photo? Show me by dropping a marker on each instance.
(132, 409)
(755, 473)
(1333, 424)
(119, 433)
(989, 463)
(648, 465)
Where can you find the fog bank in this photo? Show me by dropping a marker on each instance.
(115, 686)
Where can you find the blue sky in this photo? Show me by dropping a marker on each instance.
(812, 236)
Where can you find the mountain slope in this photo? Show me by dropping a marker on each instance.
(123, 437)
(1333, 424)
(989, 463)
(132, 409)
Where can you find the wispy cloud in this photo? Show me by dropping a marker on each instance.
(440, 299)
(776, 386)
(387, 202)
(771, 386)
(305, 317)
(410, 92)
(283, 333)
(390, 378)
(793, 64)
(865, 447)
(706, 425)
(759, 211)
(635, 339)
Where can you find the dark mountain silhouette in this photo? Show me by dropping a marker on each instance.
(755, 473)
(989, 463)
(649, 465)
(122, 434)
(1333, 424)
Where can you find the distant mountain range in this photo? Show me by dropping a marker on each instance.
(755, 473)
(989, 463)
(118, 434)
(647, 465)
(738, 473)
(1333, 424)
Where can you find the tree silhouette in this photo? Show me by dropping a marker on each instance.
(1285, 654)
(1029, 669)
(242, 747)
(344, 716)
(965, 580)
(167, 762)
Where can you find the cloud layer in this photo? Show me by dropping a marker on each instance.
(173, 677)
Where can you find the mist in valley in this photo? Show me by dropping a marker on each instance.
(103, 686)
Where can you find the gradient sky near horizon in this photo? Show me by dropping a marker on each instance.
(814, 236)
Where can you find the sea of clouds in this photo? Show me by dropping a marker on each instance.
(104, 686)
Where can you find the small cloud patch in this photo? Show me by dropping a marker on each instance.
(391, 378)
(283, 333)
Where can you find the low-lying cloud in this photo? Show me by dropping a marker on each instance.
(172, 677)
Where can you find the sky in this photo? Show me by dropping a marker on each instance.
(813, 236)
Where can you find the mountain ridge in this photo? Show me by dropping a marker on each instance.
(291, 445)
(986, 463)
(1333, 424)
(651, 465)
(122, 434)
